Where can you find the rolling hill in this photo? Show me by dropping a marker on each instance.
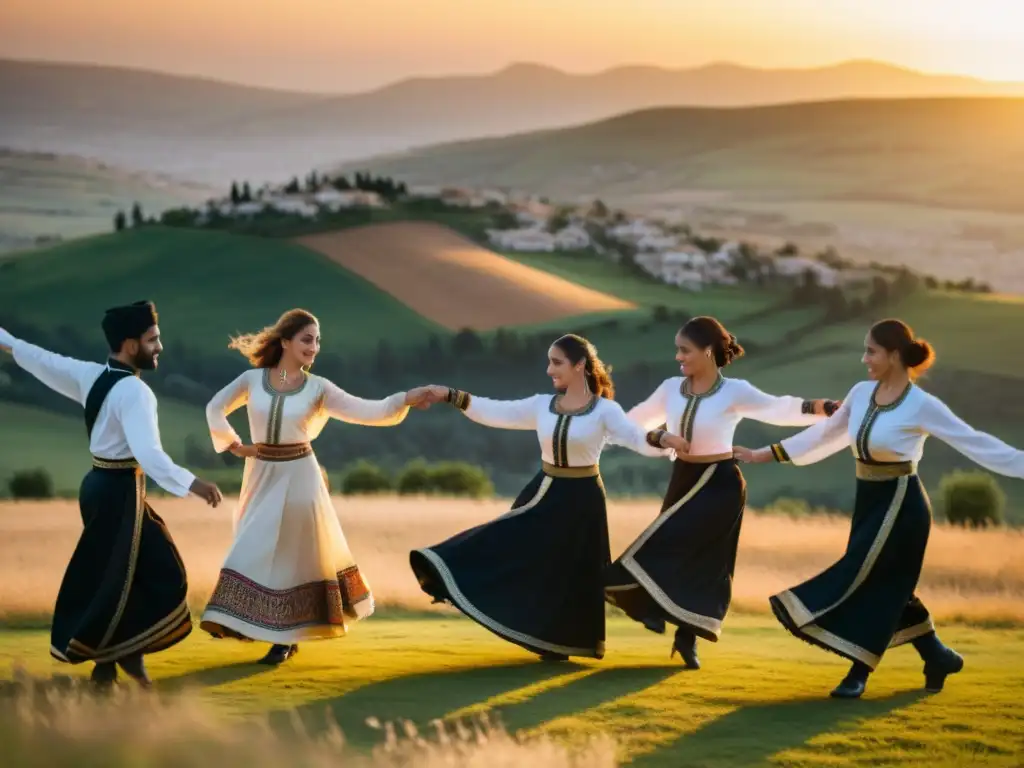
(46, 195)
(453, 281)
(213, 131)
(936, 184)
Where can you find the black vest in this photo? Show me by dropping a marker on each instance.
(116, 371)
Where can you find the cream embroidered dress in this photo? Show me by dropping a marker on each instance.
(289, 575)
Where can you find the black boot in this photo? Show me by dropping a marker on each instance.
(685, 642)
(655, 623)
(135, 668)
(940, 661)
(854, 683)
(278, 654)
(104, 674)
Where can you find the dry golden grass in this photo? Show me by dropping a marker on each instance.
(969, 575)
(53, 722)
(453, 281)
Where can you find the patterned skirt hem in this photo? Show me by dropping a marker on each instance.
(819, 638)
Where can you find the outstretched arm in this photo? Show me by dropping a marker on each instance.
(65, 375)
(135, 405)
(502, 414)
(980, 447)
(622, 430)
(339, 404)
(227, 401)
(651, 412)
(814, 444)
(782, 411)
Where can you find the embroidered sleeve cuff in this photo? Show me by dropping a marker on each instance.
(780, 453)
(807, 407)
(654, 437)
(831, 406)
(458, 398)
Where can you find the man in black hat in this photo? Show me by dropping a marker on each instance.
(123, 594)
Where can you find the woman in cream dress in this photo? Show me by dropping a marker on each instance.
(289, 575)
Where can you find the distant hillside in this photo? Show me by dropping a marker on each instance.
(950, 152)
(46, 196)
(214, 130)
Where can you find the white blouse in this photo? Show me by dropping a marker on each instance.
(896, 433)
(709, 420)
(126, 426)
(566, 439)
(298, 416)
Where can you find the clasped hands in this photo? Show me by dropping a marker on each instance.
(426, 396)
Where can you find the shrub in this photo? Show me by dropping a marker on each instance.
(414, 478)
(456, 478)
(31, 484)
(365, 477)
(972, 499)
(447, 479)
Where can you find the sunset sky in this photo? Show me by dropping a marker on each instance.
(337, 45)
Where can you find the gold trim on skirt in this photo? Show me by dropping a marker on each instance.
(879, 472)
(99, 463)
(552, 471)
(283, 451)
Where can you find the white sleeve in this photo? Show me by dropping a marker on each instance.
(504, 414)
(651, 412)
(820, 441)
(980, 447)
(782, 411)
(228, 400)
(339, 404)
(136, 410)
(620, 430)
(71, 378)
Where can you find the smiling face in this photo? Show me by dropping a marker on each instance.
(879, 361)
(145, 351)
(691, 358)
(561, 370)
(303, 347)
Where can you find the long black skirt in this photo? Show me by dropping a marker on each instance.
(680, 569)
(533, 575)
(865, 602)
(124, 590)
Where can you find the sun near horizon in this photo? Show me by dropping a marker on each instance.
(328, 45)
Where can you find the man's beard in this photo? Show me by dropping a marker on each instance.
(144, 361)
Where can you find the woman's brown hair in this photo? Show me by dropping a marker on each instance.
(709, 333)
(894, 335)
(599, 376)
(263, 349)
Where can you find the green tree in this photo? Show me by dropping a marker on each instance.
(365, 477)
(137, 217)
(31, 484)
(120, 221)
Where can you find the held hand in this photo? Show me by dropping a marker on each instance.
(208, 492)
(677, 443)
(242, 451)
(4, 336)
(826, 407)
(418, 398)
(749, 456)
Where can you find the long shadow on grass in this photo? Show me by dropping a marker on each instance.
(435, 695)
(750, 735)
(211, 676)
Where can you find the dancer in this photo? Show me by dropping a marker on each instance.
(533, 576)
(865, 602)
(680, 569)
(123, 593)
(289, 574)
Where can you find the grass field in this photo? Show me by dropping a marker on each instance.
(45, 195)
(760, 698)
(447, 278)
(206, 285)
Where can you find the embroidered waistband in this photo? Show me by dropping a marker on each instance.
(99, 463)
(552, 471)
(889, 471)
(283, 452)
(709, 458)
